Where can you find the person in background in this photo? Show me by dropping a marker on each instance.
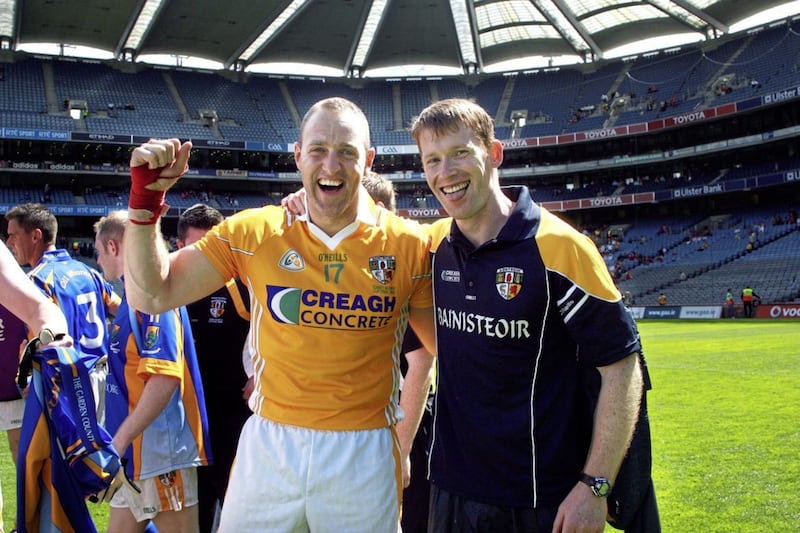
(523, 303)
(662, 299)
(730, 305)
(749, 297)
(415, 359)
(220, 324)
(13, 336)
(155, 408)
(332, 293)
(79, 290)
(21, 303)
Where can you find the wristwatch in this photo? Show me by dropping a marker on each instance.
(600, 486)
(46, 336)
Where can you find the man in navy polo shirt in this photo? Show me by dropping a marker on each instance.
(523, 303)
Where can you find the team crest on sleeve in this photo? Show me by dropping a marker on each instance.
(292, 261)
(508, 281)
(217, 308)
(151, 337)
(382, 267)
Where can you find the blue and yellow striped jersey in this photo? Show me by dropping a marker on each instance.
(84, 297)
(64, 454)
(178, 438)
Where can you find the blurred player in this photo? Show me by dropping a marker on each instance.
(80, 291)
(155, 407)
(220, 323)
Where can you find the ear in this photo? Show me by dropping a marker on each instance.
(113, 247)
(496, 153)
(297, 151)
(370, 159)
(180, 243)
(36, 235)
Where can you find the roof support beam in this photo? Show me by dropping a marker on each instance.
(251, 47)
(567, 13)
(699, 13)
(369, 26)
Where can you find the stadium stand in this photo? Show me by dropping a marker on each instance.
(693, 254)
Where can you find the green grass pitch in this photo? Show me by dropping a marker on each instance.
(725, 418)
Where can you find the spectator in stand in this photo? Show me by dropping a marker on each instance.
(749, 298)
(662, 299)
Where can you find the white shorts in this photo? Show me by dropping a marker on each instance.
(288, 478)
(11, 414)
(173, 491)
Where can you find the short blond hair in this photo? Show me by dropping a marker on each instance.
(111, 226)
(381, 189)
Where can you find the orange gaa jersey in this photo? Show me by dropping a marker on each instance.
(328, 314)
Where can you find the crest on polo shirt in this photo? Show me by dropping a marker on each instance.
(217, 306)
(382, 267)
(508, 281)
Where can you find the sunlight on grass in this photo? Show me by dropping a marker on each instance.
(725, 415)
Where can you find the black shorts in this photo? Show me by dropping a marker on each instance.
(454, 514)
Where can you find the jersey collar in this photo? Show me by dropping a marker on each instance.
(522, 223)
(367, 214)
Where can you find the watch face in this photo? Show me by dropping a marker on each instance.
(46, 336)
(601, 487)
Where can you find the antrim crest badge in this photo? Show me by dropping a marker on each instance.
(217, 308)
(508, 281)
(382, 268)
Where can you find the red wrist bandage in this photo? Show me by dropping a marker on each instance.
(145, 199)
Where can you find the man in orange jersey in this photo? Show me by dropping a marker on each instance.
(332, 293)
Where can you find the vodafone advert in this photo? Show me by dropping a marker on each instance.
(778, 311)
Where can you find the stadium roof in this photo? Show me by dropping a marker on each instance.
(364, 38)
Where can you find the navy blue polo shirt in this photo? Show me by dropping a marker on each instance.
(514, 318)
